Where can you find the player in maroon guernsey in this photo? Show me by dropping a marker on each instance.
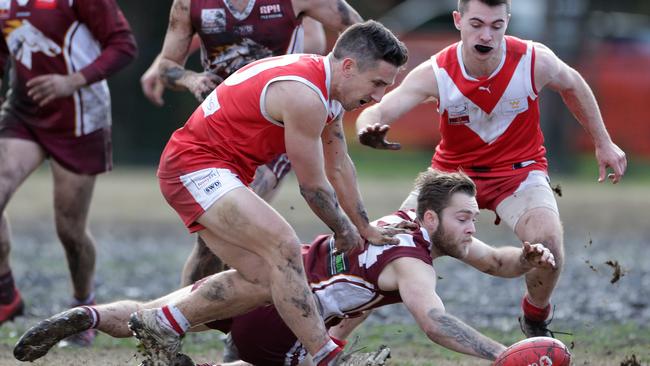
(487, 88)
(345, 284)
(58, 107)
(231, 34)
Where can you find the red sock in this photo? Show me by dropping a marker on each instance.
(534, 313)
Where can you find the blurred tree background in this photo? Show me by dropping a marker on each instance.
(585, 33)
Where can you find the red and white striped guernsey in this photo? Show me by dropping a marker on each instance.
(489, 126)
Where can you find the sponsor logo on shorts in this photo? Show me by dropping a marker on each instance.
(202, 182)
(212, 187)
(213, 20)
(272, 11)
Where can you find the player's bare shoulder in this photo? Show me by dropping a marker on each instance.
(547, 65)
(291, 100)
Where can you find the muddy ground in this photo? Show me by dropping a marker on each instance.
(142, 246)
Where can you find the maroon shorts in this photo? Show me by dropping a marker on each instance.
(262, 338)
(87, 154)
(280, 166)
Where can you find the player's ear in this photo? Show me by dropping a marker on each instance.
(456, 14)
(348, 66)
(431, 220)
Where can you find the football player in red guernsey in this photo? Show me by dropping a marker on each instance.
(58, 107)
(344, 284)
(231, 34)
(291, 104)
(487, 89)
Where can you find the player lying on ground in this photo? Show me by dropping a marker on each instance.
(344, 284)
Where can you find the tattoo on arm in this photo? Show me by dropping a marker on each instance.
(171, 75)
(326, 206)
(451, 327)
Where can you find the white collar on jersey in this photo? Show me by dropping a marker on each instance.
(459, 54)
(240, 15)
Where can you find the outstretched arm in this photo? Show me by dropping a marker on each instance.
(374, 122)
(579, 98)
(416, 282)
(508, 261)
(174, 54)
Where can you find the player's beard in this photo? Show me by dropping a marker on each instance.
(447, 244)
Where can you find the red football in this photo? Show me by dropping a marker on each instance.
(537, 351)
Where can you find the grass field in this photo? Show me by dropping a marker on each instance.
(609, 322)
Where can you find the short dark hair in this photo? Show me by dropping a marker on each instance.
(436, 188)
(369, 42)
(462, 4)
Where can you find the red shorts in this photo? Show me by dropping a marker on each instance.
(193, 193)
(86, 154)
(492, 190)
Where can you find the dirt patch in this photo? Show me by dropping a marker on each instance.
(630, 361)
(618, 270)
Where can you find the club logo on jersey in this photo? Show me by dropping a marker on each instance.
(45, 4)
(5, 9)
(338, 262)
(272, 11)
(25, 40)
(213, 20)
(458, 114)
(514, 106)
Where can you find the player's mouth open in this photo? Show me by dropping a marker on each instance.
(483, 49)
(362, 102)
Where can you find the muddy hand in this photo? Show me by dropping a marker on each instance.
(201, 85)
(402, 227)
(347, 240)
(375, 137)
(380, 236)
(537, 255)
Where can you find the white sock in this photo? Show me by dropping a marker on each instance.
(173, 318)
(324, 351)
